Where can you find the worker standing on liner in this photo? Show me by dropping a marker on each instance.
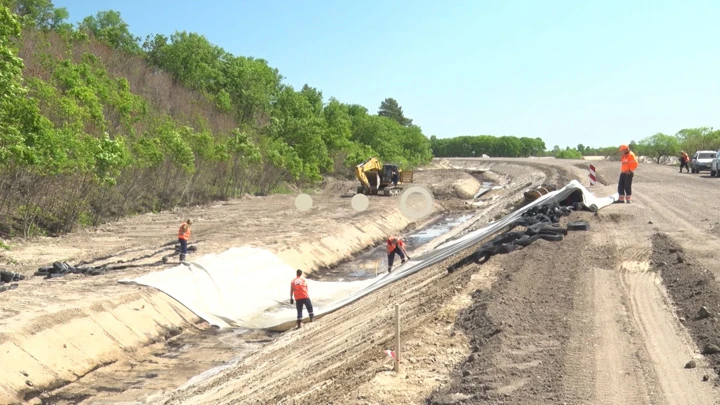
(298, 289)
(183, 238)
(627, 170)
(395, 245)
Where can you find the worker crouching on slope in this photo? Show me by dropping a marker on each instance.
(627, 170)
(395, 245)
(183, 238)
(298, 289)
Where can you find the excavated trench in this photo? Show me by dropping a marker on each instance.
(194, 356)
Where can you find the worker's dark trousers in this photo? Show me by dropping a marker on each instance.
(391, 256)
(685, 165)
(308, 305)
(625, 186)
(183, 249)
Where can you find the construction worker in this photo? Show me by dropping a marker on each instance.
(627, 169)
(395, 245)
(684, 161)
(183, 238)
(298, 289)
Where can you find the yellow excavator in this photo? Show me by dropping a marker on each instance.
(378, 178)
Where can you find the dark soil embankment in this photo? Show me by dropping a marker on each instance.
(692, 288)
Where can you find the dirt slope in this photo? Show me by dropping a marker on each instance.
(585, 320)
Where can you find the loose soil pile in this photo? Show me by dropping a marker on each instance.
(696, 294)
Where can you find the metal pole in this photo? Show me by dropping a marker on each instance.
(397, 338)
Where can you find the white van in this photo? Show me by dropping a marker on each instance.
(701, 160)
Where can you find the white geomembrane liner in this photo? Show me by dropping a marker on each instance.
(246, 286)
(250, 287)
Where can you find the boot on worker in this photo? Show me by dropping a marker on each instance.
(396, 245)
(183, 238)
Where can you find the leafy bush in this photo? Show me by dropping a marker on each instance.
(568, 154)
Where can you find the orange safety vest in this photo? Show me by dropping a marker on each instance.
(684, 157)
(393, 243)
(299, 288)
(629, 162)
(184, 232)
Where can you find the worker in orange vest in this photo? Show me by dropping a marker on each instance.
(298, 289)
(183, 238)
(395, 245)
(684, 161)
(627, 170)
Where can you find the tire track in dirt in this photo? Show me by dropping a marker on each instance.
(618, 354)
(621, 358)
(520, 331)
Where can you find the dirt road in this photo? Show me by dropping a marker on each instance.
(605, 316)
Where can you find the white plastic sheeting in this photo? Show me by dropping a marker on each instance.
(246, 287)
(250, 287)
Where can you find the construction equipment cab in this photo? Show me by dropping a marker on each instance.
(378, 178)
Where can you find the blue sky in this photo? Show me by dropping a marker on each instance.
(591, 72)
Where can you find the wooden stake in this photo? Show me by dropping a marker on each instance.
(397, 338)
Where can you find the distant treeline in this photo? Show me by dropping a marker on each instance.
(658, 147)
(501, 146)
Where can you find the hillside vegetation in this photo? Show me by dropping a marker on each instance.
(96, 126)
(97, 123)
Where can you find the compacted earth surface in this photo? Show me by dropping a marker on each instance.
(622, 313)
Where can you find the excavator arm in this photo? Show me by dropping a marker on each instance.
(361, 170)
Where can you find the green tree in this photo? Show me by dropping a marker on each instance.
(109, 27)
(660, 146)
(339, 125)
(251, 84)
(40, 13)
(391, 109)
(299, 127)
(694, 139)
(190, 58)
(18, 115)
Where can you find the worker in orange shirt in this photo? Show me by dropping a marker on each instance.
(298, 289)
(183, 238)
(627, 169)
(684, 161)
(395, 245)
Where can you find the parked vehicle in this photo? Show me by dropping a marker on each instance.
(714, 169)
(701, 160)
